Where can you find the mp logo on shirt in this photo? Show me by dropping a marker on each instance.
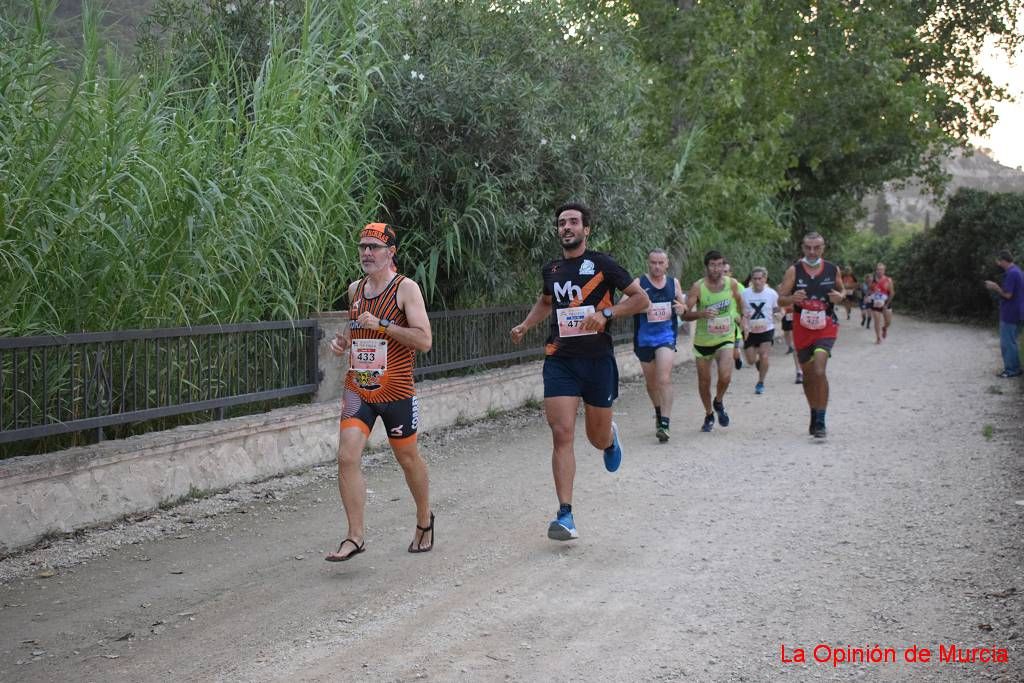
(567, 291)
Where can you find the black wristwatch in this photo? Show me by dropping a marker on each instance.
(607, 313)
(383, 323)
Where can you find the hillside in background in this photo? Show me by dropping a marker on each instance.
(910, 205)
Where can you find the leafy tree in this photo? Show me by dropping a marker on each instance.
(880, 221)
(812, 105)
(717, 118)
(864, 249)
(199, 38)
(490, 115)
(259, 135)
(888, 89)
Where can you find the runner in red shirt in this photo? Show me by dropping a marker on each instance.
(881, 292)
(813, 287)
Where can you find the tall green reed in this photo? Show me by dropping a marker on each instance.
(127, 200)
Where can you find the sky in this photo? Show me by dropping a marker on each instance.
(1006, 139)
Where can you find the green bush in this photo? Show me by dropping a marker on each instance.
(863, 250)
(941, 271)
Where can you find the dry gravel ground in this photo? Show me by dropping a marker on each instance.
(698, 560)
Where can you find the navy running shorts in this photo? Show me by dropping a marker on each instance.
(595, 380)
(646, 353)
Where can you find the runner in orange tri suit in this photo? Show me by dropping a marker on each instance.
(387, 324)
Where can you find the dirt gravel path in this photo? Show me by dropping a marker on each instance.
(700, 559)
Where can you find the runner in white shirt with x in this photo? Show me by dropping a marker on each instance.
(760, 304)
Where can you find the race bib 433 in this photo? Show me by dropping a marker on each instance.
(369, 355)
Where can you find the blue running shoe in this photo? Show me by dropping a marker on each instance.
(723, 417)
(709, 423)
(562, 528)
(613, 454)
(759, 388)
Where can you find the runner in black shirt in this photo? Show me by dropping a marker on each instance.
(578, 287)
(580, 361)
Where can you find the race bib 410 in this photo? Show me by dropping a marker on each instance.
(659, 312)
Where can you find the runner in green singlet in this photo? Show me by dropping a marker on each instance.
(714, 302)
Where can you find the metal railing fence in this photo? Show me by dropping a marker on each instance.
(53, 385)
(479, 338)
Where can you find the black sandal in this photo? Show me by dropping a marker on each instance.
(358, 549)
(418, 547)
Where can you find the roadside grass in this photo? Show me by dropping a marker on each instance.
(533, 404)
(194, 493)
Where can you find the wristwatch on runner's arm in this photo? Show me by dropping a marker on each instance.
(607, 313)
(383, 324)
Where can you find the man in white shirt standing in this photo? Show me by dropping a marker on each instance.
(760, 304)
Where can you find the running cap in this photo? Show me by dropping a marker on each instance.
(380, 231)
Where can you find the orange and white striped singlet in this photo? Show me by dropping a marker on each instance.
(396, 382)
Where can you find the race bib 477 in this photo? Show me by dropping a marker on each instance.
(570, 321)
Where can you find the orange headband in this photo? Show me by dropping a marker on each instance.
(380, 231)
